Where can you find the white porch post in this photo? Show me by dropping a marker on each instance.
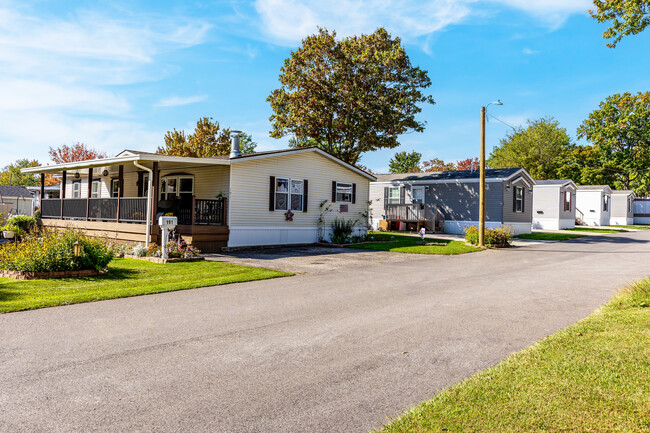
(149, 194)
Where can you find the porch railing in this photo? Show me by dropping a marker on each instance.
(131, 209)
(431, 217)
(125, 209)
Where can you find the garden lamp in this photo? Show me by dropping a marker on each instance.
(77, 249)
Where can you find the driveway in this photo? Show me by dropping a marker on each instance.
(337, 351)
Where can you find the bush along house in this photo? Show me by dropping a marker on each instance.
(448, 201)
(268, 198)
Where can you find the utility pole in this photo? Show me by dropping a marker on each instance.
(481, 206)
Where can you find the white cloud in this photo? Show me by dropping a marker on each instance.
(176, 101)
(61, 77)
(529, 52)
(289, 21)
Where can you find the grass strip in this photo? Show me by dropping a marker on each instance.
(548, 236)
(125, 277)
(409, 244)
(595, 230)
(593, 376)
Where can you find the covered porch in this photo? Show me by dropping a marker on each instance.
(121, 198)
(419, 214)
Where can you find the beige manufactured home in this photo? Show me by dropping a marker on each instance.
(267, 198)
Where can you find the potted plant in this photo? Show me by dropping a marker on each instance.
(9, 231)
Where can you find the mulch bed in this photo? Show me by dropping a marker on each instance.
(21, 275)
(161, 260)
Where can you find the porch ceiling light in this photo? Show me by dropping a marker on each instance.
(105, 173)
(76, 175)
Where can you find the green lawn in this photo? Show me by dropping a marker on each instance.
(549, 236)
(126, 277)
(409, 244)
(634, 227)
(595, 230)
(593, 376)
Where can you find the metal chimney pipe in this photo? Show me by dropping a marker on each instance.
(235, 149)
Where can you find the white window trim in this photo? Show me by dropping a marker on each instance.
(289, 194)
(93, 193)
(337, 192)
(166, 179)
(517, 188)
(113, 182)
(565, 195)
(393, 188)
(424, 195)
(76, 192)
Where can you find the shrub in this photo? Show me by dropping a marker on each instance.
(177, 250)
(54, 251)
(497, 237)
(26, 223)
(139, 250)
(342, 231)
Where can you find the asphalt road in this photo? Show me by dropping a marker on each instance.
(337, 351)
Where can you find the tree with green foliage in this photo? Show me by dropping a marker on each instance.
(353, 95)
(582, 165)
(540, 148)
(404, 162)
(625, 17)
(620, 132)
(208, 139)
(11, 174)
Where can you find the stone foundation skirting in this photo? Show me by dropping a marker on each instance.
(22, 275)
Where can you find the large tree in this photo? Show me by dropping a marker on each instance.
(405, 162)
(353, 95)
(208, 139)
(468, 164)
(437, 164)
(11, 175)
(540, 148)
(76, 152)
(620, 132)
(625, 17)
(582, 164)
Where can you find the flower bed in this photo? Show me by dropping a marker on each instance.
(54, 251)
(499, 237)
(161, 260)
(175, 250)
(21, 275)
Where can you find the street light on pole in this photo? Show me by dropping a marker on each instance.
(481, 209)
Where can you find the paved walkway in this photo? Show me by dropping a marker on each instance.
(332, 351)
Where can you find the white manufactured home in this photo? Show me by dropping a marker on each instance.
(622, 211)
(267, 198)
(593, 204)
(554, 204)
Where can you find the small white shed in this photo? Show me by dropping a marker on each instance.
(593, 204)
(19, 198)
(554, 204)
(622, 207)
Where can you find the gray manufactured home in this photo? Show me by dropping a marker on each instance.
(449, 201)
(622, 212)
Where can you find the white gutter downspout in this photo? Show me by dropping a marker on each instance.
(149, 188)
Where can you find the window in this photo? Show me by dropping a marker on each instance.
(115, 186)
(629, 205)
(417, 193)
(297, 189)
(519, 199)
(145, 185)
(94, 191)
(289, 194)
(567, 201)
(176, 186)
(344, 192)
(281, 194)
(393, 195)
(605, 202)
(76, 189)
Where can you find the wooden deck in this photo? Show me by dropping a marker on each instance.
(431, 217)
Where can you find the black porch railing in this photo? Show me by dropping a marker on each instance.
(131, 209)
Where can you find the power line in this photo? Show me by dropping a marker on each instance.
(499, 120)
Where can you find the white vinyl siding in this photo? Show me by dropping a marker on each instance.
(249, 203)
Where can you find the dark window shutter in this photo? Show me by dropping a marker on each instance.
(305, 192)
(354, 193)
(514, 198)
(272, 194)
(523, 199)
(333, 191)
(402, 195)
(140, 184)
(386, 189)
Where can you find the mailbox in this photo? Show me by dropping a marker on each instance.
(167, 222)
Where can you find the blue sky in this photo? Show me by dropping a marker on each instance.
(117, 75)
